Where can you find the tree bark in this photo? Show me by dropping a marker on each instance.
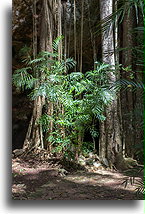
(110, 140)
(127, 97)
(34, 137)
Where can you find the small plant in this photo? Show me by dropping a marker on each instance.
(138, 184)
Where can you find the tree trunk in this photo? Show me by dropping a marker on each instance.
(34, 137)
(138, 96)
(127, 100)
(75, 34)
(34, 134)
(110, 140)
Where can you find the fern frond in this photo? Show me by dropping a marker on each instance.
(37, 60)
(103, 66)
(68, 64)
(76, 76)
(55, 79)
(119, 15)
(42, 60)
(48, 54)
(129, 84)
(22, 79)
(56, 42)
(42, 90)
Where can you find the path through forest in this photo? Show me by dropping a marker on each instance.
(48, 180)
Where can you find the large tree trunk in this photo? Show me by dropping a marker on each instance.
(34, 137)
(50, 26)
(138, 96)
(127, 97)
(110, 141)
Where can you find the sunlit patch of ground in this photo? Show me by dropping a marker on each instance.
(43, 181)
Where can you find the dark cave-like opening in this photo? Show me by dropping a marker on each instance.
(92, 142)
(21, 115)
(19, 130)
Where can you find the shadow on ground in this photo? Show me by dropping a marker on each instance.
(50, 184)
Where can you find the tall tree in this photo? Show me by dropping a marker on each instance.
(127, 96)
(110, 139)
(34, 137)
(130, 55)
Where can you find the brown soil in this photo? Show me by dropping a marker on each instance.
(47, 180)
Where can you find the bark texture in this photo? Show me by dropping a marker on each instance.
(127, 97)
(110, 140)
(34, 137)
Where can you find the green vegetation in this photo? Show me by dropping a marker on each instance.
(80, 69)
(82, 96)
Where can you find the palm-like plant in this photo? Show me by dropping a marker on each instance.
(82, 96)
(123, 7)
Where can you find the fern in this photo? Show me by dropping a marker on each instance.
(42, 90)
(138, 184)
(48, 54)
(44, 121)
(69, 64)
(56, 43)
(129, 84)
(41, 61)
(124, 8)
(76, 76)
(22, 79)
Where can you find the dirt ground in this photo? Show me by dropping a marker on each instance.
(49, 180)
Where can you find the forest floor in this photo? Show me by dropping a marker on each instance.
(51, 180)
